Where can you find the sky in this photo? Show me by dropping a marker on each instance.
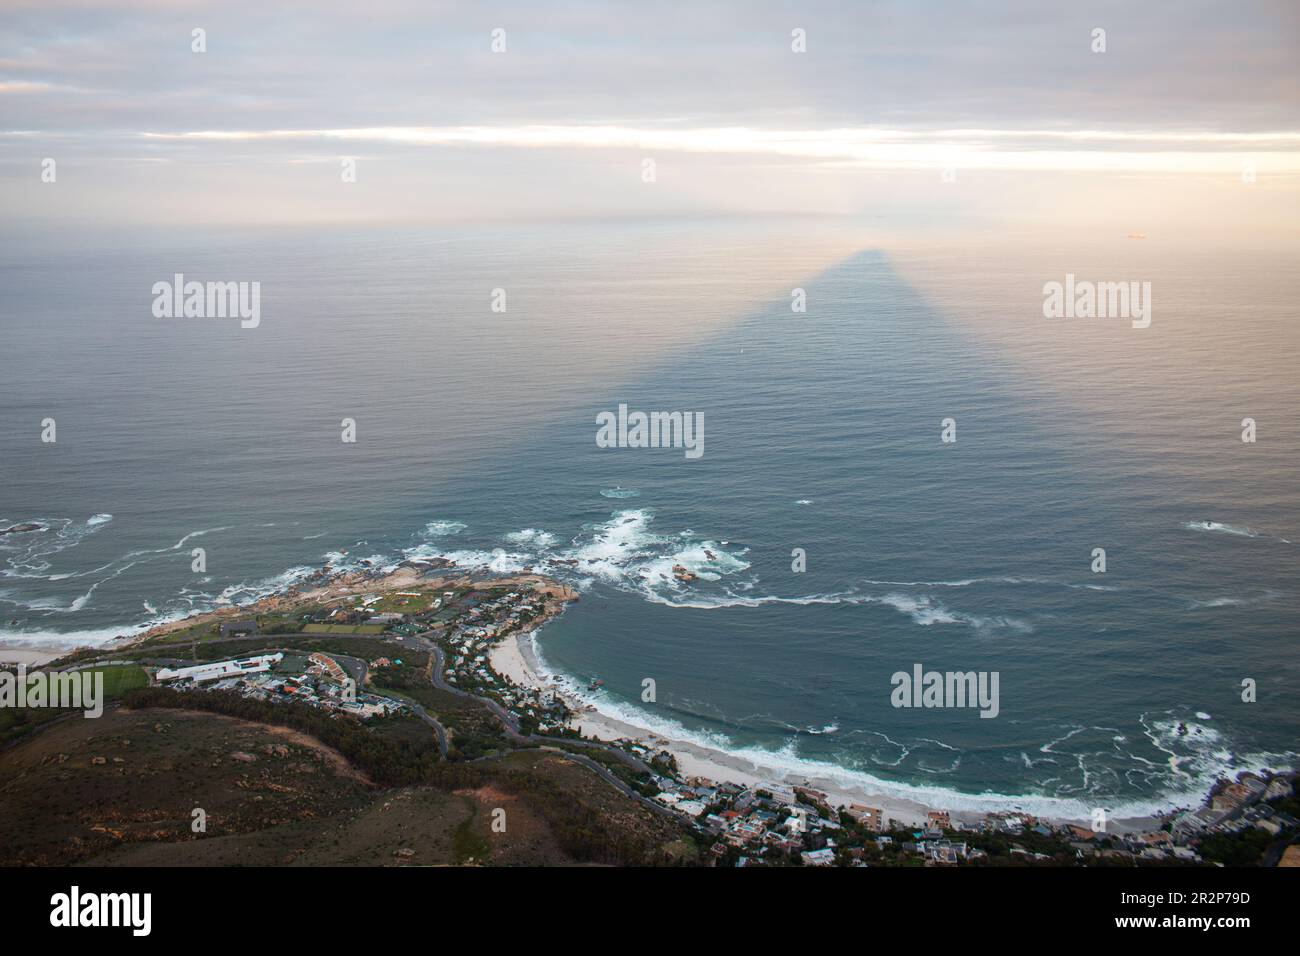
(1011, 104)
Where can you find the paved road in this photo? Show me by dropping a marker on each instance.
(358, 669)
(438, 730)
(601, 771)
(511, 722)
(549, 744)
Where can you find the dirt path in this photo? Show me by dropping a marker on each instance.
(337, 762)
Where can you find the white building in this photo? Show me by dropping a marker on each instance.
(818, 857)
(220, 669)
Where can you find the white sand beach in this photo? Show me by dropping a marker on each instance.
(27, 656)
(515, 659)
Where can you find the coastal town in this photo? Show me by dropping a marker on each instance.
(779, 822)
(318, 680)
(465, 623)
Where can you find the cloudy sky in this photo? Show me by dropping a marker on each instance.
(886, 97)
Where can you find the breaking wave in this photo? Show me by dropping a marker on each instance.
(1239, 531)
(617, 492)
(1200, 757)
(532, 537)
(923, 609)
(440, 527)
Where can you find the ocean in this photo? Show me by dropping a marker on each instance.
(476, 441)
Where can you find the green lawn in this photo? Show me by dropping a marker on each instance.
(404, 603)
(17, 721)
(345, 628)
(119, 680)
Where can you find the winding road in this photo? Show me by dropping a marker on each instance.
(550, 744)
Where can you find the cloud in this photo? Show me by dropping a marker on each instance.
(1173, 66)
(872, 148)
(585, 89)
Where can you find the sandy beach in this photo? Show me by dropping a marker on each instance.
(27, 656)
(516, 659)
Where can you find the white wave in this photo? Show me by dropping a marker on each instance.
(178, 545)
(50, 605)
(968, 582)
(68, 640)
(532, 537)
(615, 543)
(57, 535)
(247, 592)
(30, 566)
(1230, 601)
(706, 560)
(187, 602)
(497, 560)
(921, 608)
(1220, 527)
(198, 534)
(1218, 602)
(622, 551)
(438, 528)
(617, 492)
(712, 602)
(925, 610)
(803, 501)
(422, 552)
(786, 764)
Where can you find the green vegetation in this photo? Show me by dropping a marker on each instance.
(386, 758)
(475, 731)
(589, 820)
(561, 811)
(16, 722)
(395, 603)
(466, 842)
(1248, 847)
(364, 647)
(344, 628)
(1235, 849)
(119, 679)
